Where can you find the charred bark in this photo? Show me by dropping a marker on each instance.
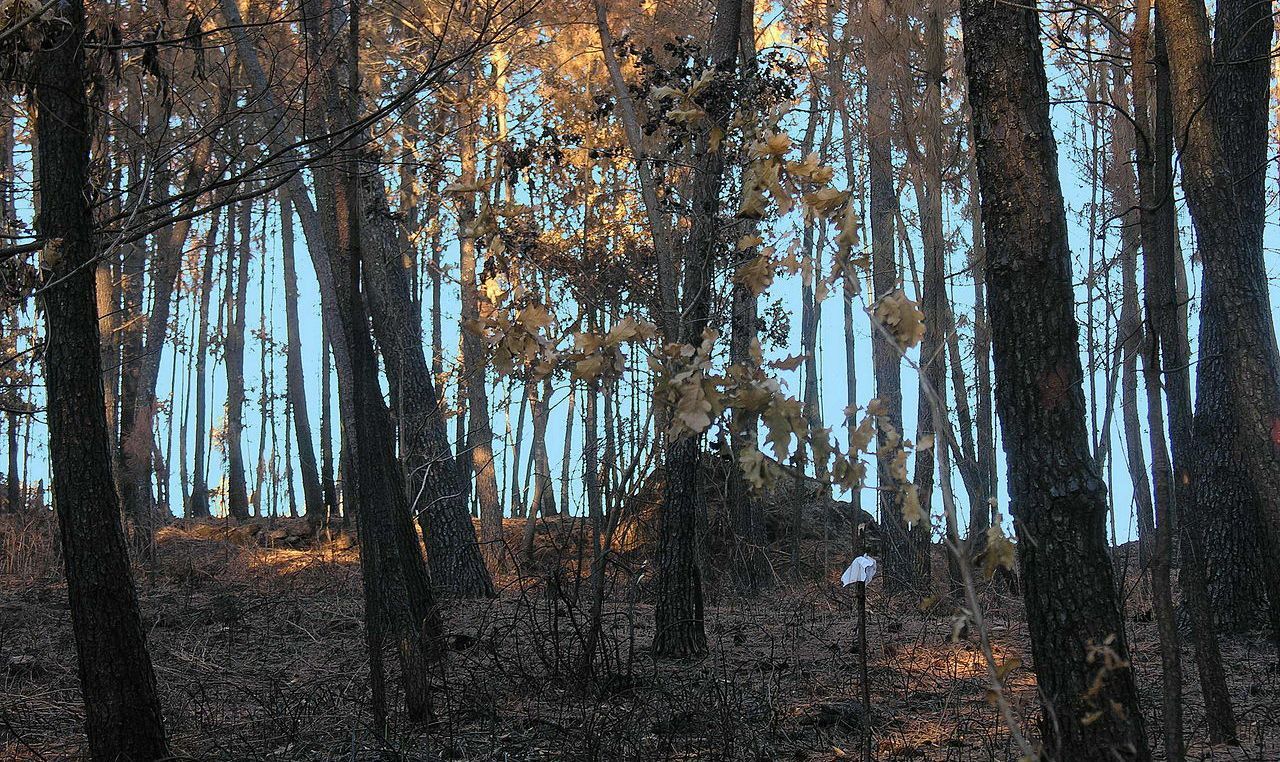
(123, 719)
(1058, 500)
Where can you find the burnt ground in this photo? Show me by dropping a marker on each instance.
(258, 651)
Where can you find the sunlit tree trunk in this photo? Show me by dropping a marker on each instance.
(479, 440)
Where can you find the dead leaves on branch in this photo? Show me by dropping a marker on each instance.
(901, 317)
(768, 175)
(689, 387)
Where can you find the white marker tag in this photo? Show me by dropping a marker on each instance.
(863, 569)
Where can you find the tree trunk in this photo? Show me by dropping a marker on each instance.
(123, 719)
(198, 504)
(326, 425)
(933, 300)
(1166, 315)
(236, 294)
(901, 563)
(436, 496)
(518, 506)
(749, 565)
(1219, 101)
(678, 627)
(295, 381)
(1057, 498)
(566, 460)
(473, 373)
(399, 605)
(13, 483)
(544, 497)
(1156, 229)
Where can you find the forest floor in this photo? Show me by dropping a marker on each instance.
(259, 656)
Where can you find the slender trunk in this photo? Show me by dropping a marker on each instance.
(933, 301)
(123, 719)
(437, 324)
(256, 502)
(400, 608)
(544, 497)
(566, 461)
(980, 516)
(749, 565)
(13, 483)
(901, 563)
(130, 338)
(295, 380)
(236, 297)
(106, 289)
(184, 475)
(326, 425)
(850, 284)
(517, 498)
(1059, 502)
(591, 454)
(1155, 230)
(1165, 309)
(473, 371)
(678, 612)
(659, 228)
(198, 504)
(809, 347)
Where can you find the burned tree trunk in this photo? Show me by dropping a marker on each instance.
(122, 710)
(1057, 498)
(237, 281)
(678, 612)
(295, 382)
(198, 503)
(1219, 101)
(436, 494)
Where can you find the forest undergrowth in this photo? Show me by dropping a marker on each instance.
(258, 648)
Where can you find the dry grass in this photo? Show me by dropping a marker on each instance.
(259, 656)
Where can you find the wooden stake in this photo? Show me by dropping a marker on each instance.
(862, 658)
